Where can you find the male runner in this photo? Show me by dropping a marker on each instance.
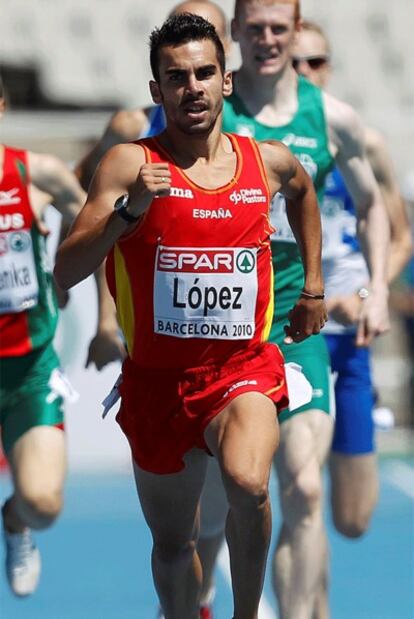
(126, 126)
(353, 468)
(190, 269)
(270, 101)
(32, 386)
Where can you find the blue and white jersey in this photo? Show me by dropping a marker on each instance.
(344, 266)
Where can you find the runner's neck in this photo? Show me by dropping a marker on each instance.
(187, 149)
(271, 100)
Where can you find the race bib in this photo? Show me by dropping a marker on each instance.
(19, 288)
(279, 220)
(339, 228)
(205, 292)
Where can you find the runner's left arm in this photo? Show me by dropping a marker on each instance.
(287, 176)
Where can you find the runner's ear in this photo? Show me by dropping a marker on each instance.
(155, 92)
(227, 83)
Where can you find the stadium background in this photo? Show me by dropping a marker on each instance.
(68, 64)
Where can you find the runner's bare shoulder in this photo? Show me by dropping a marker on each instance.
(277, 158)
(121, 163)
(129, 124)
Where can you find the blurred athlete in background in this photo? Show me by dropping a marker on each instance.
(269, 101)
(32, 386)
(353, 468)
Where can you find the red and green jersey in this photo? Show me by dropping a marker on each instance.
(28, 308)
(193, 283)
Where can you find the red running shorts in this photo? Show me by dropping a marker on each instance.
(164, 414)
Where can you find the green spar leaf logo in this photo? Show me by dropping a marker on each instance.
(246, 261)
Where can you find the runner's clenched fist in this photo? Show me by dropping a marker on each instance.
(153, 181)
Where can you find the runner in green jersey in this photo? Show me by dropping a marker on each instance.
(307, 137)
(271, 102)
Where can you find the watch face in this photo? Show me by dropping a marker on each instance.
(120, 207)
(363, 293)
(121, 202)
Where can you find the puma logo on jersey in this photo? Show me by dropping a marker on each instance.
(11, 221)
(9, 197)
(180, 192)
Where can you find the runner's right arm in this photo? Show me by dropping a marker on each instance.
(347, 138)
(346, 309)
(383, 168)
(98, 226)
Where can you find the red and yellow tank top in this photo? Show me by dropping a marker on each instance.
(28, 310)
(193, 283)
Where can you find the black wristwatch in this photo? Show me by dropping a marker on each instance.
(120, 207)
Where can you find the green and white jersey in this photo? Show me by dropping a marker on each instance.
(306, 135)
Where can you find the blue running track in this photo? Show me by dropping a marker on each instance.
(96, 558)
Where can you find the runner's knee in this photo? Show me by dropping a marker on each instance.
(351, 525)
(42, 507)
(246, 489)
(304, 495)
(168, 550)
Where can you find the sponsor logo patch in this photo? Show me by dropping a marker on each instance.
(301, 141)
(205, 292)
(248, 196)
(180, 192)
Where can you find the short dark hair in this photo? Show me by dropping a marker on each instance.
(180, 29)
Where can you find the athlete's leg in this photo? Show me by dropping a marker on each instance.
(31, 417)
(353, 466)
(354, 492)
(213, 513)
(244, 437)
(34, 446)
(170, 506)
(300, 561)
(38, 465)
(321, 607)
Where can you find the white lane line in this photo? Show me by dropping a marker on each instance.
(401, 475)
(265, 610)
